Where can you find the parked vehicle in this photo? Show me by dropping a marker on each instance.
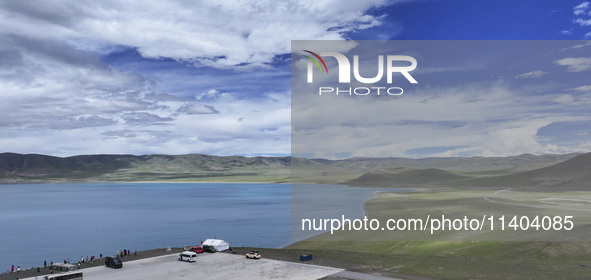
(198, 249)
(188, 256)
(306, 257)
(76, 275)
(113, 262)
(253, 255)
(209, 249)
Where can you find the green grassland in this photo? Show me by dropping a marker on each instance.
(473, 204)
(560, 189)
(245, 174)
(463, 259)
(460, 255)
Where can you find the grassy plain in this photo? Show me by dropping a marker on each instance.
(509, 254)
(557, 190)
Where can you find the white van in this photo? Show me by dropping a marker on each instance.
(76, 275)
(188, 256)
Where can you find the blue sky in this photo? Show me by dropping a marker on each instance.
(481, 20)
(176, 77)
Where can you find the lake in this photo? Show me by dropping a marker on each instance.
(54, 222)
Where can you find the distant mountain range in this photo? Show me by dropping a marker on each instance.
(573, 173)
(522, 170)
(508, 164)
(130, 168)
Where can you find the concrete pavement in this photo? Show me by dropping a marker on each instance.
(208, 266)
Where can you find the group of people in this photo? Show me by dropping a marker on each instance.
(90, 260)
(82, 260)
(126, 252)
(18, 269)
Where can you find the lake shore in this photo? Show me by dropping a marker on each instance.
(283, 254)
(32, 272)
(288, 253)
(320, 257)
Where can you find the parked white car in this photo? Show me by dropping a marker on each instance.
(253, 255)
(188, 256)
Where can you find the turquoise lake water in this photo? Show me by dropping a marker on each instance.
(54, 222)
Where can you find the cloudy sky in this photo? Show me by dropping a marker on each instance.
(176, 77)
(473, 98)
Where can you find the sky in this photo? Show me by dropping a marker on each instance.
(213, 77)
(472, 98)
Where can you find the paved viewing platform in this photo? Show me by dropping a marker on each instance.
(208, 266)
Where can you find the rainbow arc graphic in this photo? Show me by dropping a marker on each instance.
(316, 61)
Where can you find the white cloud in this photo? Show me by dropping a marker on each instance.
(582, 22)
(583, 16)
(519, 136)
(570, 99)
(55, 89)
(219, 34)
(68, 99)
(581, 9)
(578, 46)
(473, 112)
(498, 123)
(194, 108)
(265, 129)
(586, 88)
(581, 97)
(575, 64)
(565, 99)
(532, 74)
(566, 32)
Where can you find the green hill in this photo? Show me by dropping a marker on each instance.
(16, 168)
(574, 173)
(393, 176)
